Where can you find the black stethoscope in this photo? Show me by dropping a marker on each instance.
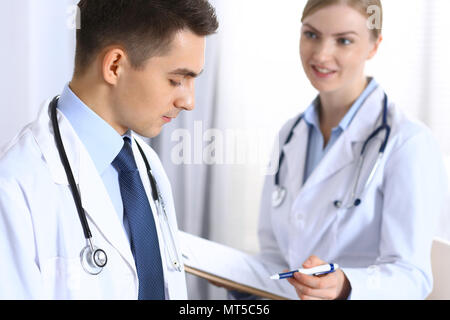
(279, 194)
(94, 259)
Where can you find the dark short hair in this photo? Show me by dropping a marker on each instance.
(144, 28)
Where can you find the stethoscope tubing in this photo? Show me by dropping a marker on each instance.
(93, 251)
(68, 170)
(288, 139)
(383, 127)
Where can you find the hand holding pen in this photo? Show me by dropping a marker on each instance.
(329, 286)
(315, 271)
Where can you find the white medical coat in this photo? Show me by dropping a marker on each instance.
(40, 233)
(383, 245)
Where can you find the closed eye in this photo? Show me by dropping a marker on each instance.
(174, 83)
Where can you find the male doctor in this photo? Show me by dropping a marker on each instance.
(135, 66)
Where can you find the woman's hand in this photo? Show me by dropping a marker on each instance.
(332, 286)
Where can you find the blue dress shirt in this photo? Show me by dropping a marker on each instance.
(102, 142)
(316, 149)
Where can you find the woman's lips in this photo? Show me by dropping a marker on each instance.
(322, 73)
(167, 119)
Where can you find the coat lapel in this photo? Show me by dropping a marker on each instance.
(95, 199)
(43, 132)
(339, 156)
(295, 157)
(100, 210)
(344, 151)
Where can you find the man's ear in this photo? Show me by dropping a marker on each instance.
(114, 63)
(375, 47)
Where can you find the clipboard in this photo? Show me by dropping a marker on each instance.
(233, 285)
(233, 268)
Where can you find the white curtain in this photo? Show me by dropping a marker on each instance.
(37, 58)
(253, 82)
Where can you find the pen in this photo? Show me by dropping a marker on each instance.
(316, 271)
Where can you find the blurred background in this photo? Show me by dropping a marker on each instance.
(253, 83)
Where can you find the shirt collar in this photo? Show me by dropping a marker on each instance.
(102, 142)
(345, 122)
(311, 115)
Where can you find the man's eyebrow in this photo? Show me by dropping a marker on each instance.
(186, 73)
(334, 35)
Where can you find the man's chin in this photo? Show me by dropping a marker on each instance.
(150, 132)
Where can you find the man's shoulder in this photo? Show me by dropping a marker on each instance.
(19, 157)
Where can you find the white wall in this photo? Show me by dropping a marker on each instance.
(37, 58)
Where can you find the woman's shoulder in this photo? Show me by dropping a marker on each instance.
(405, 127)
(287, 127)
(414, 142)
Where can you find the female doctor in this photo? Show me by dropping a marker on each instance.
(359, 184)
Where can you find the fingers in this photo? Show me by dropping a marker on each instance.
(315, 287)
(307, 293)
(313, 261)
(323, 282)
(308, 287)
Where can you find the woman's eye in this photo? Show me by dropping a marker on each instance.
(345, 41)
(310, 35)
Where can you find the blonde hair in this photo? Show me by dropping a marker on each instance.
(366, 7)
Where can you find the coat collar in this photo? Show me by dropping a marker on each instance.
(91, 129)
(44, 135)
(341, 154)
(95, 199)
(295, 157)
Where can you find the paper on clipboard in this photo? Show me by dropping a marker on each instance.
(244, 272)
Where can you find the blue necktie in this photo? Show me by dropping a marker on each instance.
(144, 238)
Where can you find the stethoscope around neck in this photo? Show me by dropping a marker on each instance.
(280, 192)
(94, 259)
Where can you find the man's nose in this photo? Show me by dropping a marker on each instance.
(186, 100)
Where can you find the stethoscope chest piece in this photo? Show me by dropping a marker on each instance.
(93, 260)
(278, 196)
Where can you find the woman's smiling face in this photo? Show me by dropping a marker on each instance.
(334, 47)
